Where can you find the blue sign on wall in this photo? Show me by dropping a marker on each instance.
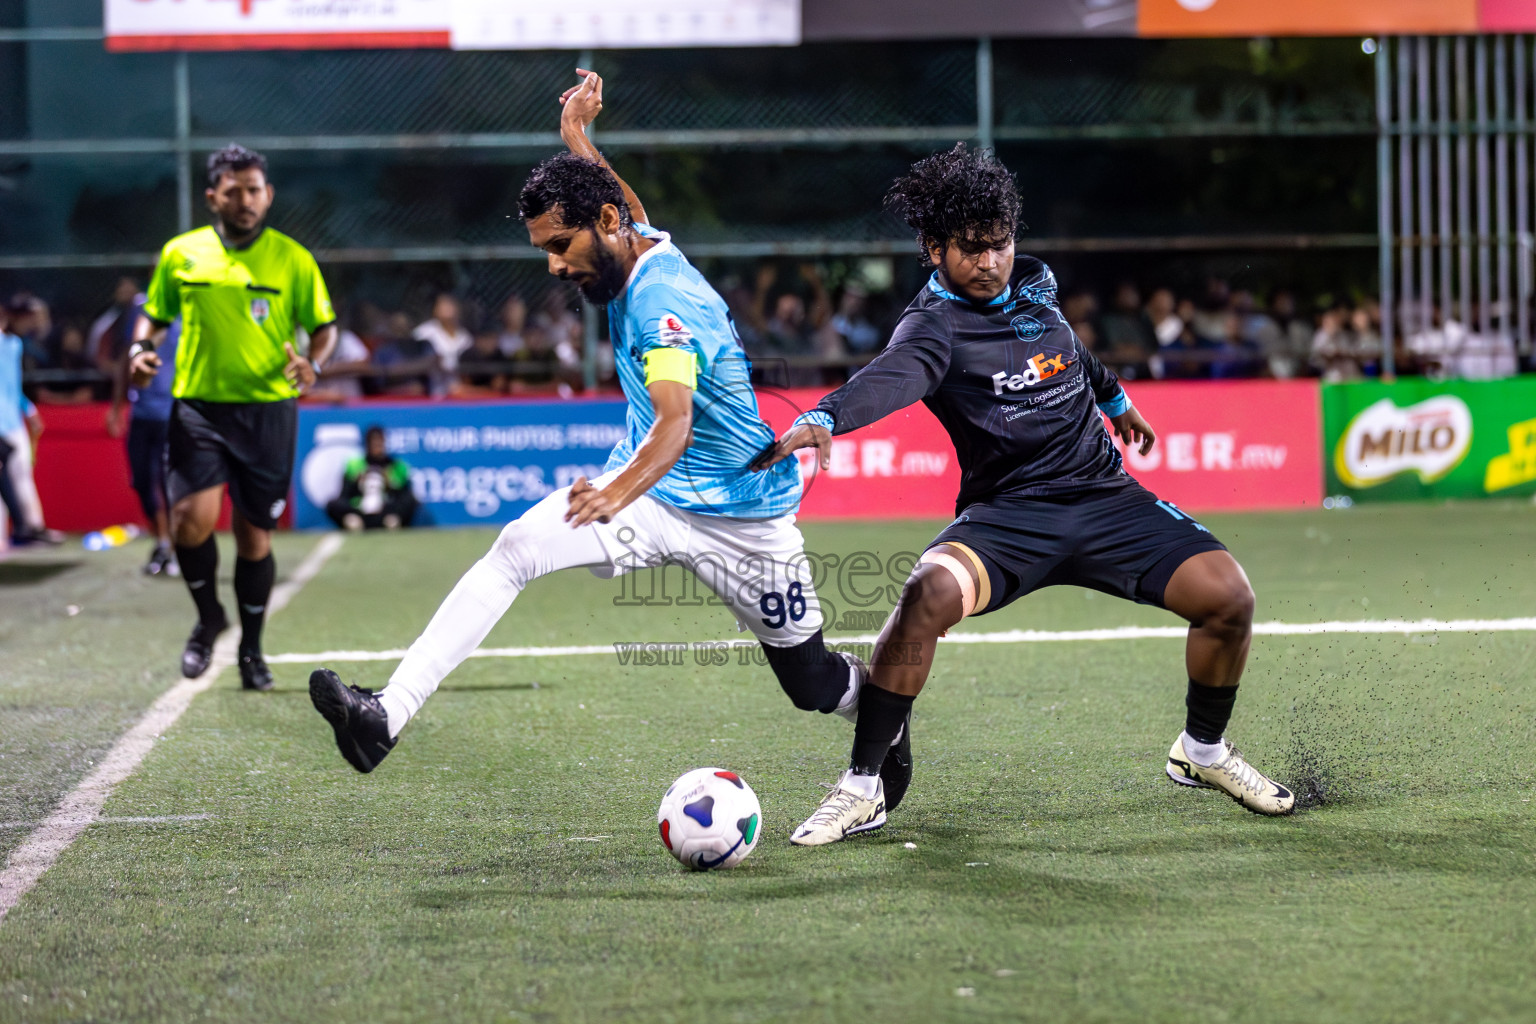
(480, 463)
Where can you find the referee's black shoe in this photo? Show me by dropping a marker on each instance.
(254, 674)
(896, 769)
(357, 716)
(196, 656)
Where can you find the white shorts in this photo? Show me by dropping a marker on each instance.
(756, 567)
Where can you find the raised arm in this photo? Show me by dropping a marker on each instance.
(582, 104)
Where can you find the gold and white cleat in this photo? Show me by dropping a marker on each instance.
(1234, 776)
(845, 812)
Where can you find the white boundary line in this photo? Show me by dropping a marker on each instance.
(155, 819)
(82, 805)
(1402, 627)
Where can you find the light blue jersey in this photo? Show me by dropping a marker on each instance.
(14, 407)
(667, 303)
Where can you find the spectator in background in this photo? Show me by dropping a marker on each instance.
(411, 362)
(69, 356)
(149, 424)
(545, 364)
(557, 322)
(446, 335)
(1366, 339)
(514, 324)
(788, 331)
(20, 427)
(483, 369)
(1081, 310)
(788, 325)
(341, 380)
(744, 316)
(1129, 340)
(1333, 348)
(1176, 359)
(1236, 355)
(1167, 326)
(32, 323)
(851, 323)
(1209, 319)
(375, 489)
(111, 333)
(1286, 340)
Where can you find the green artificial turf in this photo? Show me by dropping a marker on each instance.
(503, 863)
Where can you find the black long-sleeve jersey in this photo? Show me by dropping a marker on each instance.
(1010, 382)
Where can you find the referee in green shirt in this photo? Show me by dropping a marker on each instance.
(240, 289)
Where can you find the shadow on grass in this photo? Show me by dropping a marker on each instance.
(25, 574)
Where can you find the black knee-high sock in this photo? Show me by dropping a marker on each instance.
(200, 568)
(815, 678)
(1209, 708)
(253, 587)
(881, 716)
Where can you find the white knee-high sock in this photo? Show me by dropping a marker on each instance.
(479, 600)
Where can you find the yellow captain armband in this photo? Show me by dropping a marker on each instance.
(671, 364)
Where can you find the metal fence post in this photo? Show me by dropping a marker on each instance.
(183, 88)
(1384, 195)
(588, 345)
(984, 117)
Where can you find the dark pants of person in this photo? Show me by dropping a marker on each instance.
(147, 463)
(399, 503)
(8, 491)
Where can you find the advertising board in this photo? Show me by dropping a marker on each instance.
(1418, 438)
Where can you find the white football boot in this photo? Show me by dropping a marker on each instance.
(1234, 776)
(846, 811)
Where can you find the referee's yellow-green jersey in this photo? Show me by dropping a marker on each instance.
(238, 307)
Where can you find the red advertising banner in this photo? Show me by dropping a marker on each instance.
(1506, 15)
(1224, 445)
(1221, 446)
(1310, 17)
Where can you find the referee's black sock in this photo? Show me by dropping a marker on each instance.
(1209, 708)
(253, 586)
(881, 716)
(200, 569)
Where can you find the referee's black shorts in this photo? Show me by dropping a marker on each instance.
(247, 445)
(1120, 540)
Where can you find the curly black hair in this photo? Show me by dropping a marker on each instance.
(962, 195)
(233, 157)
(579, 187)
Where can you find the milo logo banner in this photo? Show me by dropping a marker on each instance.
(1422, 439)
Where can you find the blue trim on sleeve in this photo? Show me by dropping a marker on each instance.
(816, 418)
(1117, 405)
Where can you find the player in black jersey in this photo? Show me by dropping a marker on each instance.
(1044, 499)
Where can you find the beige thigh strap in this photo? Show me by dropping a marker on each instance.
(975, 591)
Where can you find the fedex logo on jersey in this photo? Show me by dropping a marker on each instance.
(670, 331)
(1041, 367)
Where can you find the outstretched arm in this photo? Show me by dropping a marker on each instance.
(908, 370)
(582, 104)
(655, 456)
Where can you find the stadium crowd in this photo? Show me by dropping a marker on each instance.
(799, 331)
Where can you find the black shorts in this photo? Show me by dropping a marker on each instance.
(247, 445)
(1121, 541)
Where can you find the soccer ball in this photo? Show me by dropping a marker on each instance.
(709, 818)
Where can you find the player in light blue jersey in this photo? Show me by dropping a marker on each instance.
(676, 491)
(667, 305)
